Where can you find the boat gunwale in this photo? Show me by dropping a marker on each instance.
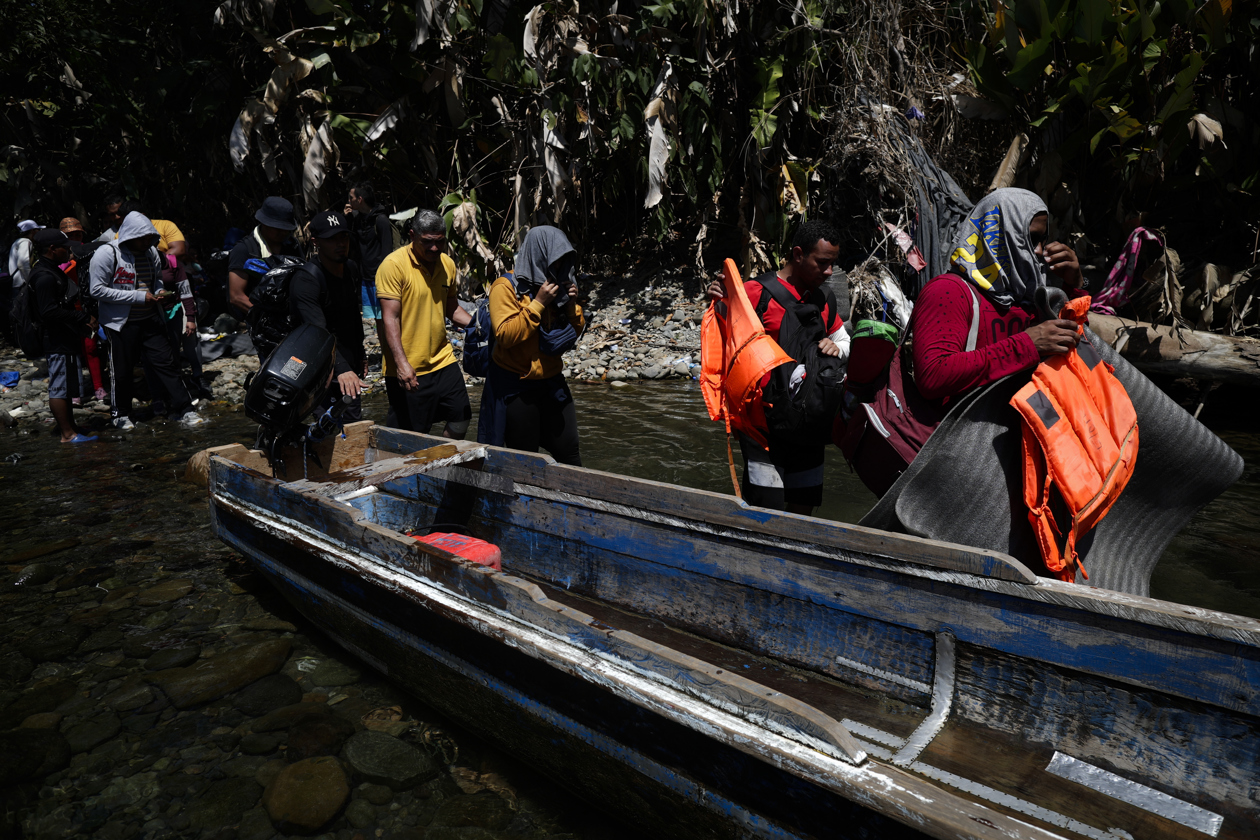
(869, 782)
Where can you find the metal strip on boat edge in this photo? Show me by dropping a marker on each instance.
(887, 676)
(875, 737)
(942, 703)
(1135, 794)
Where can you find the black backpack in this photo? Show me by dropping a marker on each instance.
(28, 330)
(807, 415)
(479, 338)
(269, 320)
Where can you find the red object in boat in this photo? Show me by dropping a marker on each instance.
(470, 548)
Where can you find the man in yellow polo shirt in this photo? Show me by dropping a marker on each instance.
(416, 289)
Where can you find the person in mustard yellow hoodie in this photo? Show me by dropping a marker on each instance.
(526, 403)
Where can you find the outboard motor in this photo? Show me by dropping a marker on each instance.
(292, 382)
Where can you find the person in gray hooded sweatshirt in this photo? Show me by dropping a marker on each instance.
(127, 283)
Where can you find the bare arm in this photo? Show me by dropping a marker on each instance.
(177, 249)
(236, 291)
(458, 316)
(391, 310)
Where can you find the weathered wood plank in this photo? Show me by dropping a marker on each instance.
(727, 511)
(358, 477)
(333, 453)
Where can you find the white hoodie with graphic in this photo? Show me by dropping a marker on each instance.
(122, 272)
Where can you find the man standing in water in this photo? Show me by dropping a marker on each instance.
(127, 283)
(416, 288)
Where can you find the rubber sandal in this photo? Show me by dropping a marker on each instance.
(81, 439)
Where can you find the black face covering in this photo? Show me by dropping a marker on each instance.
(561, 272)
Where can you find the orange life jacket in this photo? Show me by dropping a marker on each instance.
(1079, 433)
(735, 355)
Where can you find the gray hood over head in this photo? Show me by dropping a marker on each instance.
(135, 226)
(994, 251)
(543, 246)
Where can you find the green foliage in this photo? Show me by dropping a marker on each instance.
(1146, 95)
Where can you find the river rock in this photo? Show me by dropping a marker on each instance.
(306, 796)
(269, 770)
(267, 695)
(50, 644)
(383, 759)
(168, 590)
(30, 754)
(259, 744)
(483, 810)
(317, 735)
(43, 720)
(255, 825)
(682, 369)
(92, 733)
(212, 678)
(267, 623)
(15, 668)
(30, 552)
(129, 697)
(653, 372)
(42, 697)
(360, 813)
(36, 574)
(223, 802)
(172, 658)
(289, 715)
(101, 640)
(376, 794)
(330, 672)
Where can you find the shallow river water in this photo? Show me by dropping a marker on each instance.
(138, 586)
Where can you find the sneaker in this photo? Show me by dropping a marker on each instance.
(192, 418)
(76, 401)
(123, 423)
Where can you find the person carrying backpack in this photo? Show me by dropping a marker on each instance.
(253, 254)
(127, 284)
(798, 311)
(63, 327)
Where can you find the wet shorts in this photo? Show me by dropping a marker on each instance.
(788, 473)
(63, 376)
(371, 306)
(439, 397)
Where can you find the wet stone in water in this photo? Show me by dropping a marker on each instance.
(92, 733)
(101, 640)
(306, 796)
(44, 697)
(360, 813)
(255, 825)
(212, 678)
(257, 743)
(383, 759)
(317, 735)
(376, 794)
(483, 810)
(164, 592)
(267, 695)
(53, 643)
(332, 673)
(172, 658)
(289, 715)
(222, 803)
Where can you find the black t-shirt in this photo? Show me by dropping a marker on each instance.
(248, 249)
(373, 240)
(331, 303)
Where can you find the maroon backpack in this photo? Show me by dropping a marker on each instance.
(884, 435)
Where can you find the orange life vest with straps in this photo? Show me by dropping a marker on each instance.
(735, 355)
(1079, 433)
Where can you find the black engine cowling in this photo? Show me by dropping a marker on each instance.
(293, 380)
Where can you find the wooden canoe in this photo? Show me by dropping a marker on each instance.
(730, 671)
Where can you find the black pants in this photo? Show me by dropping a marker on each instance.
(149, 337)
(536, 419)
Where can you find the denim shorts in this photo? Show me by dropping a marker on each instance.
(371, 306)
(63, 376)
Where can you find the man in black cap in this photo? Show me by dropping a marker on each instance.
(325, 292)
(64, 327)
(252, 255)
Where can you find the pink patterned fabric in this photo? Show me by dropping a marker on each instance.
(1116, 293)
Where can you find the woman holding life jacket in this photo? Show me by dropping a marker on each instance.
(969, 328)
(526, 403)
